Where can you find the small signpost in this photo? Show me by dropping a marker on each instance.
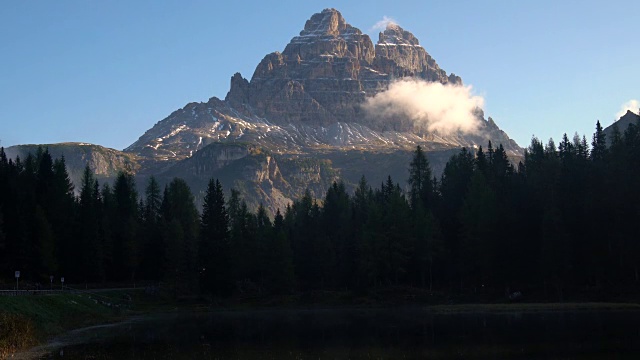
(62, 281)
(17, 279)
(51, 281)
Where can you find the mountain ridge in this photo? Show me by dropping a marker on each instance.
(310, 97)
(303, 107)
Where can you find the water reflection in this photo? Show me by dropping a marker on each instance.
(356, 334)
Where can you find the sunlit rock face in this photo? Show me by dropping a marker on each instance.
(299, 123)
(310, 97)
(325, 73)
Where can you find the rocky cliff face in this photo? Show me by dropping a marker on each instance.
(105, 162)
(324, 74)
(299, 122)
(309, 98)
(622, 124)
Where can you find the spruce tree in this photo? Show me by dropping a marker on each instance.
(279, 272)
(214, 245)
(151, 236)
(420, 179)
(179, 213)
(87, 242)
(125, 228)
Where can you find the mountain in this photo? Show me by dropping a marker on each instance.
(105, 162)
(309, 98)
(301, 121)
(622, 124)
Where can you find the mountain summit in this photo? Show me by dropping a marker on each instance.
(310, 96)
(302, 120)
(328, 22)
(324, 74)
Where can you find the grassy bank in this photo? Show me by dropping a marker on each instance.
(28, 320)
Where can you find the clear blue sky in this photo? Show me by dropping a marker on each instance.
(106, 71)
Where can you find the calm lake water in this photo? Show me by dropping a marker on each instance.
(360, 334)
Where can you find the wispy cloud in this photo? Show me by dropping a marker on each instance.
(631, 105)
(429, 106)
(384, 23)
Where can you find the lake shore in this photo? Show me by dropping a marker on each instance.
(30, 321)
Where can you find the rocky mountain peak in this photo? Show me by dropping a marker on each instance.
(303, 106)
(327, 36)
(324, 74)
(328, 22)
(395, 35)
(309, 96)
(239, 89)
(621, 124)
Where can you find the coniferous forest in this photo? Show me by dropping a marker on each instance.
(562, 223)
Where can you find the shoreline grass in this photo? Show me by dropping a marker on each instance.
(26, 321)
(29, 321)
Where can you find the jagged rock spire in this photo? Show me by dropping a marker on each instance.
(327, 22)
(324, 74)
(395, 35)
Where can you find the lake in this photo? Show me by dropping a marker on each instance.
(409, 333)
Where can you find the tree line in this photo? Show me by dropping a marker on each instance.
(562, 222)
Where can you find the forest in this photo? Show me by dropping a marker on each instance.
(561, 224)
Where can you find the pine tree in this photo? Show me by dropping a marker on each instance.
(214, 243)
(339, 242)
(88, 244)
(179, 213)
(124, 228)
(362, 206)
(454, 187)
(152, 245)
(45, 245)
(153, 200)
(61, 213)
(421, 191)
(279, 272)
(3, 237)
(479, 223)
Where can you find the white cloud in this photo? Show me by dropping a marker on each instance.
(429, 106)
(631, 105)
(384, 23)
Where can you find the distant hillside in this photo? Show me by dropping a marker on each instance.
(622, 124)
(105, 162)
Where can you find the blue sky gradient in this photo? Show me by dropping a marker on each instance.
(106, 71)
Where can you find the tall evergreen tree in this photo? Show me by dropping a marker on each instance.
(479, 222)
(61, 213)
(87, 244)
(279, 269)
(3, 245)
(124, 225)
(420, 175)
(181, 216)
(44, 245)
(336, 216)
(214, 243)
(153, 248)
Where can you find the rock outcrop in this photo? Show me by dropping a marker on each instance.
(324, 74)
(299, 122)
(104, 162)
(621, 124)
